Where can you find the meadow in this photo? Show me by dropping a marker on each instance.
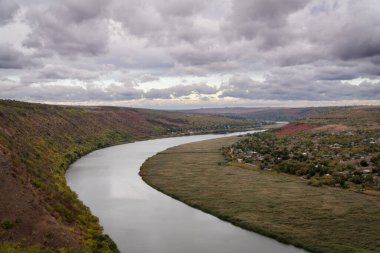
(278, 205)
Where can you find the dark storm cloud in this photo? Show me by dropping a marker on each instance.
(343, 70)
(302, 49)
(180, 91)
(68, 28)
(270, 12)
(264, 19)
(96, 92)
(162, 23)
(8, 9)
(347, 29)
(193, 57)
(64, 93)
(10, 58)
(177, 8)
(62, 72)
(294, 88)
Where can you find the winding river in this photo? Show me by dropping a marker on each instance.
(142, 220)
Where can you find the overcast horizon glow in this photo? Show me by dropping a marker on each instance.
(188, 54)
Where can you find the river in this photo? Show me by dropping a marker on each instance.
(142, 220)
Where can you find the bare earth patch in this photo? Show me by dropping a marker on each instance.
(293, 128)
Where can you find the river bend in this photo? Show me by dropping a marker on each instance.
(142, 220)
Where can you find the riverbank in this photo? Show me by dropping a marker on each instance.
(38, 143)
(280, 206)
(140, 219)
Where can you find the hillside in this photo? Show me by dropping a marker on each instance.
(265, 113)
(38, 143)
(359, 116)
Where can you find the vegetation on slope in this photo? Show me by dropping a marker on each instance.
(266, 113)
(37, 144)
(345, 155)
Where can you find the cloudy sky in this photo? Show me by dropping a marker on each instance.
(191, 53)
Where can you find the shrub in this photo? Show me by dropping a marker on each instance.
(357, 179)
(7, 223)
(364, 163)
(315, 182)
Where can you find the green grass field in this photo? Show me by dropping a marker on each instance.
(278, 205)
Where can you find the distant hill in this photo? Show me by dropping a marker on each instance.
(264, 114)
(361, 116)
(37, 144)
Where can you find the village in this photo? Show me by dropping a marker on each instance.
(348, 159)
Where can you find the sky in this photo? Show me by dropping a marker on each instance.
(191, 53)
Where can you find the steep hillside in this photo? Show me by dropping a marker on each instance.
(266, 113)
(37, 144)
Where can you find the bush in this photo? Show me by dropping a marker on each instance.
(364, 163)
(344, 184)
(327, 180)
(7, 223)
(357, 179)
(315, 182)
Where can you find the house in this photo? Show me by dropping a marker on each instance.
(335, 146)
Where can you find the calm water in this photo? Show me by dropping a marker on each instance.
(140, 219)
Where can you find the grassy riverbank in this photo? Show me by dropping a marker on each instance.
(39, 142)
(320, 219)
